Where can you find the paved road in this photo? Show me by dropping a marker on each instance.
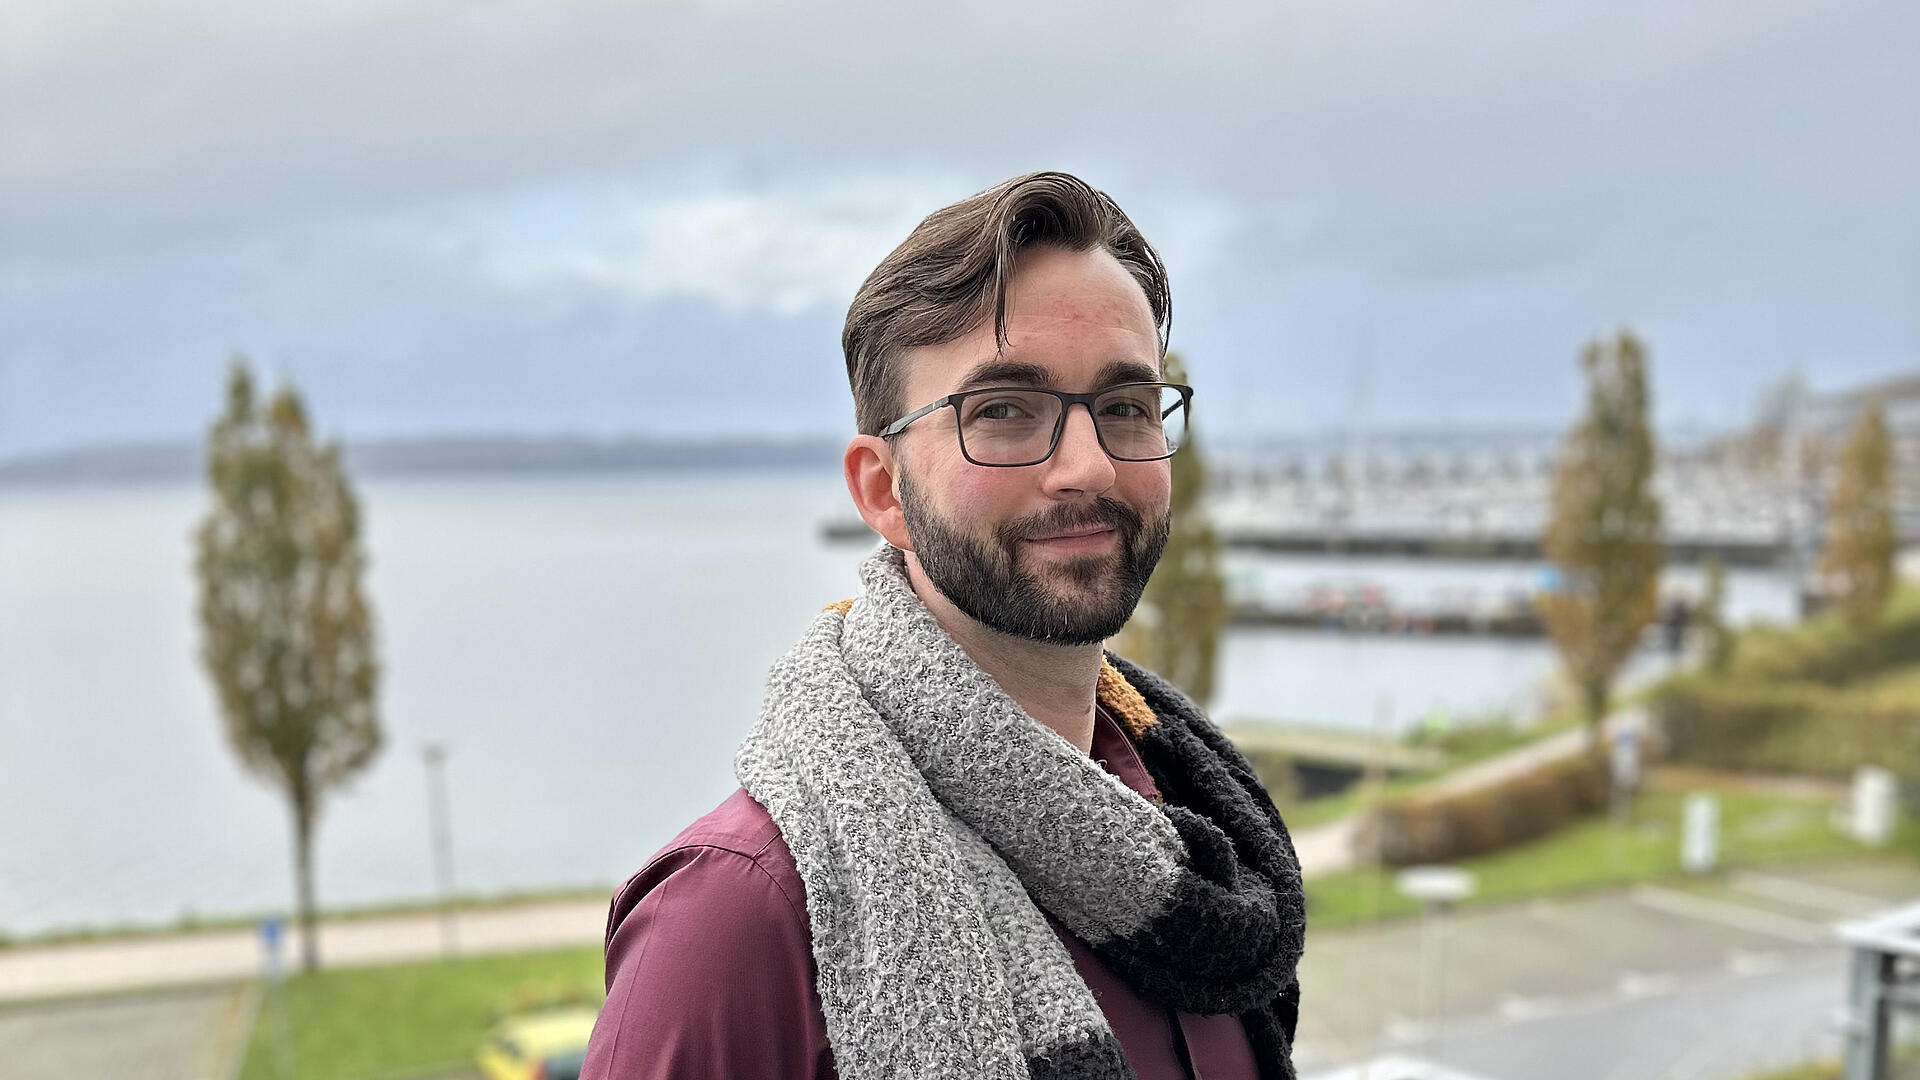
(1716, 1027)
(198, 1033)
(1705, 982)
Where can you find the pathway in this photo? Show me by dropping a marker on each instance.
(214, 956)
(1329, 847)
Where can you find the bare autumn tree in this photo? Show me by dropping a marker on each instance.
(1858, 560)
(1175, 632)
(1604, 533)
(287, 635)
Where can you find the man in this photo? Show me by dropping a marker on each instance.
(968, 842)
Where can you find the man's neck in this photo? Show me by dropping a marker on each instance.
(1054, 683)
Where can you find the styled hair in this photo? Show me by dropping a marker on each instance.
(941, 282)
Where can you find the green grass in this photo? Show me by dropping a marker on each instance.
(1472, 741)
(1834, 1068)
(404, 1019)
(1755, 828)
(1823, 1069)
(1899, 682)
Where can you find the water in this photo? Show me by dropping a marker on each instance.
(590, 649)
(1344, 680)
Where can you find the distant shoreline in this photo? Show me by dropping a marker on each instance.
(180, 460)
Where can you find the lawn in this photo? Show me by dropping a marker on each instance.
(1755, 828)
(410, 1019)
(1823, 1069)
(1834, 1069)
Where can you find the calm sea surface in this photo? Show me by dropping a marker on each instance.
(590, 649)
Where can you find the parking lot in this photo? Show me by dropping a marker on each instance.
(1701, 981)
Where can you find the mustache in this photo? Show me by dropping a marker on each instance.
(1107, 512)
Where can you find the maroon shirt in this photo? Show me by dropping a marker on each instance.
(710, 968)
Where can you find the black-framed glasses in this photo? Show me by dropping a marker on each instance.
(1010, 426)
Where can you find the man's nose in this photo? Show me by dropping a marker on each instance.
(1079, 463)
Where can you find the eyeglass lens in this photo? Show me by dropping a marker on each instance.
(1015, 427)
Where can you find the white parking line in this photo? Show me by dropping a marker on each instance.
(1520, 1007)
(1639, 984)
(1742, 962)
(1806, 893)
(1738, 916)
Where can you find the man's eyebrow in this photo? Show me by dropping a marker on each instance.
(1125, 371)
(1001, 372)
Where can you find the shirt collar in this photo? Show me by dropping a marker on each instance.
(1115, 752)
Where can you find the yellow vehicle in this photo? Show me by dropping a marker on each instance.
(546, 1045)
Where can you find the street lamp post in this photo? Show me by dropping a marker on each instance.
(1436, 888)
(441, 827)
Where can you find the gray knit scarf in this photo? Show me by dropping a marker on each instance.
(932, 820)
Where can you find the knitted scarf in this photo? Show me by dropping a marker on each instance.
(928, 815)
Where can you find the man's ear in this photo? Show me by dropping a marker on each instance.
(869, 465)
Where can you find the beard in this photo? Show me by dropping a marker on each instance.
(986, 581)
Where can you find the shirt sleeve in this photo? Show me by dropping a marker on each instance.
(709, 976)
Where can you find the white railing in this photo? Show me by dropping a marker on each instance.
(1884, 982)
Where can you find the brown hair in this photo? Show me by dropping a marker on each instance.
(937, 285)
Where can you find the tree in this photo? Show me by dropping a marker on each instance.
(287, 635)
(1712, 618)
(1603, 536)
(1175, 631)
(1858, 561)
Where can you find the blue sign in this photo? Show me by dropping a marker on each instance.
(271, 931)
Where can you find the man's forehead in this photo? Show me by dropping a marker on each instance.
(1098, 355)
(937, 371)
(1071, 317)
(1091, 286)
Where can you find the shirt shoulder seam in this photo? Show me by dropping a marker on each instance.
(753, 858)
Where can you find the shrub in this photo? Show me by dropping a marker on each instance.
(1827, 650)
(1790, 727)
(1424, 828)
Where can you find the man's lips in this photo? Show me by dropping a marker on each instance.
(1087, 541)
(1089, 530)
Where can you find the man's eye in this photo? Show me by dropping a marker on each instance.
(999, 410)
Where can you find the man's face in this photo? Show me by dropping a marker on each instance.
(990, 539)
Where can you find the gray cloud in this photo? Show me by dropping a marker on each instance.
(1462, 191)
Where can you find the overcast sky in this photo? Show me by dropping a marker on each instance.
(630, 217)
